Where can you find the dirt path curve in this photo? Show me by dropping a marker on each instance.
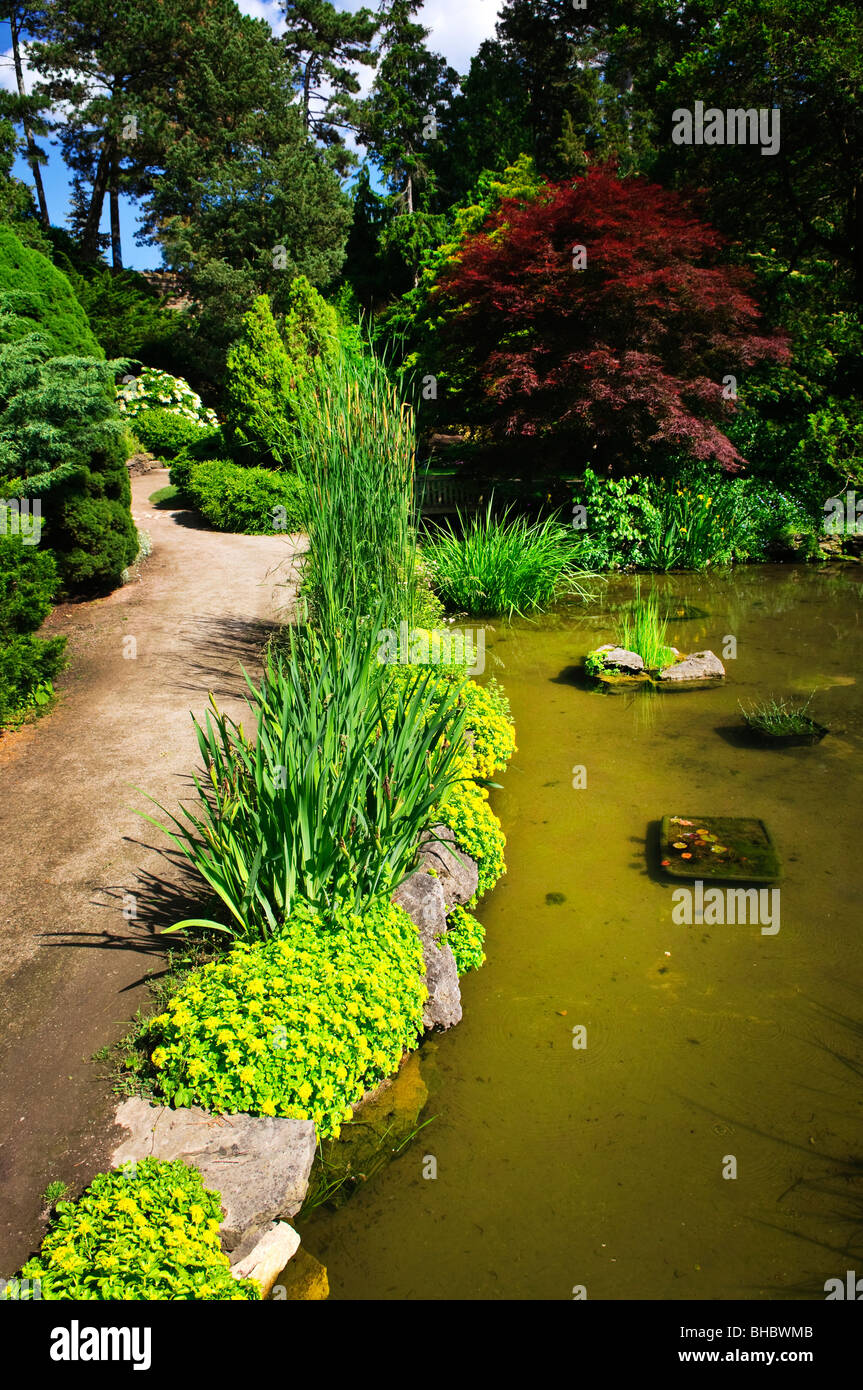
(71, 964)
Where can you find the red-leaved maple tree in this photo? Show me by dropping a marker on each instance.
(626, 356)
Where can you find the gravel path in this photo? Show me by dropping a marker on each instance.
(73, 957)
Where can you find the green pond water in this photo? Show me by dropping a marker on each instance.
(602, 1167)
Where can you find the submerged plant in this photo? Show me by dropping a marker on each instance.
(505, 564)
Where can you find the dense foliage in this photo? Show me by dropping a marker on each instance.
(299, 1026)
(251, 501)
(42, 298)
(147, 1232)
(28, 582)
(61, 441)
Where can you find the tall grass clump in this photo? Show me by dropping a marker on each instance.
(643, 631)
(504, 564)
(688, 529)
(356, 456)
(328, 801)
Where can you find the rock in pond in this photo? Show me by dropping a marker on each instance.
(457, 873)
(620, 659)
(268, 1256)
(259, 1165)
(422, 898)
(305, 1279)
(698, 666)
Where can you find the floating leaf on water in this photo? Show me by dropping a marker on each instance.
(680, 844)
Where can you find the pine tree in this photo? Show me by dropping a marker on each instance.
(323, 45)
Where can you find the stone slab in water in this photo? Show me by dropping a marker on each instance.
(698, 666)
(621, 659)
(733, 849)
(260, 1165)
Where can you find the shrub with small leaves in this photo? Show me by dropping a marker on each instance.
(148, 1232)
(300, 1026)
(249, 501)
(465, 937)
(477, 831)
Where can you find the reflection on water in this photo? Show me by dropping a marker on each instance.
(602, 1166)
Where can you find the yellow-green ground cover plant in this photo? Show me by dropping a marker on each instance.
(148, 1232)
(298, 1026)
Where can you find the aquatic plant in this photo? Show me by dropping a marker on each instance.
(505, 564)
(149, 1232)
(355, 454)
(780, 718)
(642, 630)
(299, 1026)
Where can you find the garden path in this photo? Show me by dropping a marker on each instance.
(75, 948)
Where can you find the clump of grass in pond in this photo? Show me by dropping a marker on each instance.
(642, 630)
(505, 564)
(781, 718)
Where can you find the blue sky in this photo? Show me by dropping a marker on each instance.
(457, 27)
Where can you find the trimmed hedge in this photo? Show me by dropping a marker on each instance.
(165, 434)
(250, 501)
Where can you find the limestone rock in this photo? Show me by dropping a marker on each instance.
(422, 898)
(697, 666)
(260, 1165)
(621, 659)
(457, 873)
(268, 1257)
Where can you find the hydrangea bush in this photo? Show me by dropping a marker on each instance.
(149, 1231)
(157, 390)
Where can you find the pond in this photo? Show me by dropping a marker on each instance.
(602, 1166)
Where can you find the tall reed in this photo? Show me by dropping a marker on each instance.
(357, 442)
(643, 631)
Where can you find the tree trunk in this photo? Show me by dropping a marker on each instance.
(114, 196)
(90, 237)
(307, 83)
(32, 156)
